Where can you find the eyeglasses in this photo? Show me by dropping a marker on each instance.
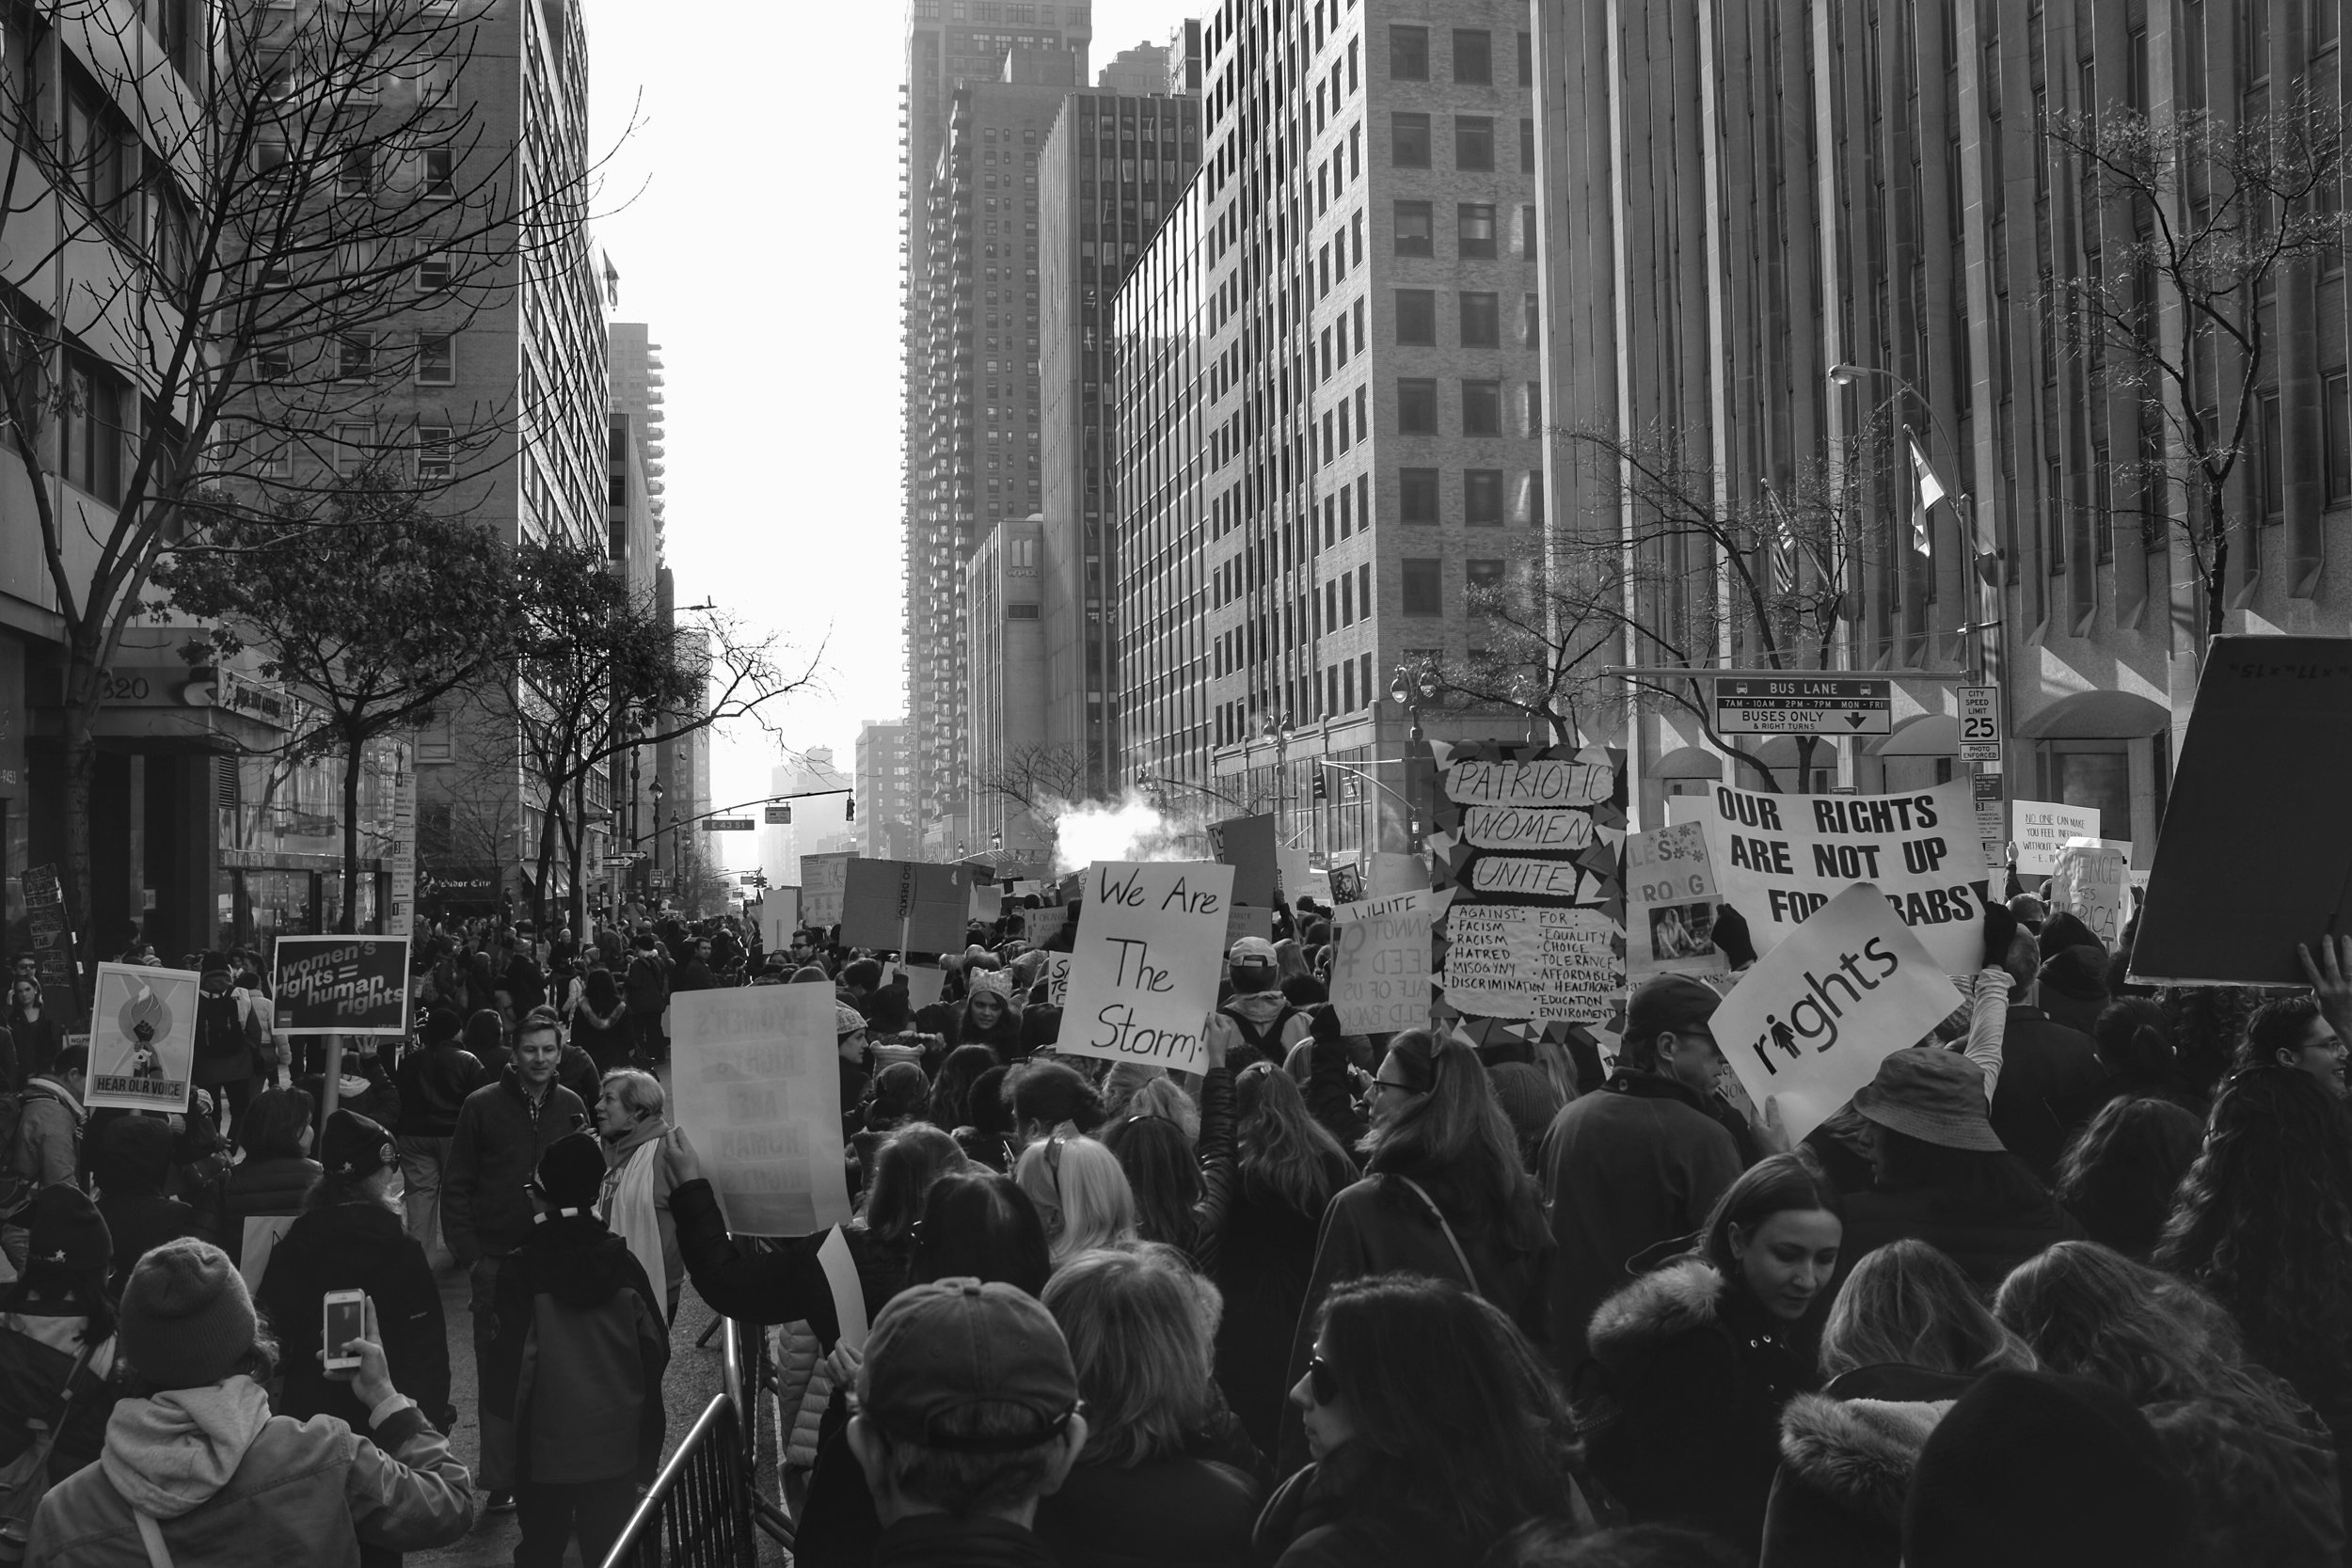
(1323, 1382)
(1392, 1083)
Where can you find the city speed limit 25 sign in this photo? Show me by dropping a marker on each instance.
(1804, 704)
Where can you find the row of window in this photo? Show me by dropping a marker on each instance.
(1481, 405)
(1474, 142)
(1421, 584)
(356, 359)
(1474, 233)
(1478, 318)
(1473, 60)
(1486, 501)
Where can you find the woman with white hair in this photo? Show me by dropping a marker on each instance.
(1081, 1192)
(637, 1181)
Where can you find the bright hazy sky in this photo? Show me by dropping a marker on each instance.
(760, 241)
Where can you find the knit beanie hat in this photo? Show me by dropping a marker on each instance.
(571, 1172)
(1527, 1099)
(443, 1023)
(354, 1148)
(993, 984)
(187, 1320)
(68, 1233)
(846, 1021)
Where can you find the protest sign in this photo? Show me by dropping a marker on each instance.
(1809, 1024)
(1527, 841)
(1347, 883)
(2042, 828)
(1670, 900)
(1147, 960)
(1298, 875)
(1380, 963)
(142, 1039)
(823, 879)
(894, 905)
(1992, 823)
(1044, 926)
(1242, 921)
(1246, 845)
(1779, 857)
(1056, 974)
(756, 1083)
(2265, 752)
(2092, 883)
(923, 984)
(987, 896)
(340, 986)
(779, 918)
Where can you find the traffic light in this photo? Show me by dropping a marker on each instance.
(1323, 789)
(849, 808)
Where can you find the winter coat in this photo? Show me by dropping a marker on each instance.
(1263, 1267)
(1846, 1458)
(142, 1222)
(939, 1541)
(48, 1144)
(646, 985)
(1640, 1163)
(37, 1042)
(434, 1083)
(1682, 1403)
(485, 1211)
(230, 1482)
(2051, 1085)
(356, 1246)
(1318, 1519)
(604, 1036)
(263, 1190)
(38, 1344)
(579, 1349)
(1185, 1511)
(786, 1284)
(226, 1041)
(1985, 1250)
(1259, 1026)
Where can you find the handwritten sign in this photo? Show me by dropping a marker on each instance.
(2092, 883)
(1057, 975)
(779, 918)
(340, 986)
(1671, 899)
(1521, 961)
(1780, 859)
(1146, 961)
(1248, 844)
(142, 1039)
(755, 1084)
(1241, 920)
(1809, 1024)
(2042, 830)
(880, 899)
(823, 880)
(1044, 926)
(1380, 963)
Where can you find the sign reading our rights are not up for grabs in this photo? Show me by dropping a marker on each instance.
(1145, 963)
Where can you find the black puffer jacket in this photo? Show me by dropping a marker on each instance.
(434, 1083)
(261, 1189)
(356, 1246)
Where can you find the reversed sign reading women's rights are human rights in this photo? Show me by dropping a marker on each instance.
(1144, 966)
(754, 1084)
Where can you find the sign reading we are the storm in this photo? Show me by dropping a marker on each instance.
(1144, 965)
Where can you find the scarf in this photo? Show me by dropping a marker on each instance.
(631, 1214)
(169, 1455)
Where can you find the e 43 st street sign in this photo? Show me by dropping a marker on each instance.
(1804, 705)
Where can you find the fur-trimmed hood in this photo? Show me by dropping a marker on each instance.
(1660, 1306)
(1857, 1452)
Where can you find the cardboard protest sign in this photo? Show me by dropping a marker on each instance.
(2092, 883)
(142, 1039)
(1380, 963)
(1528, 839)
(1809, 1024)
(2042, 828)
(340, 986)
(883, 900)
(2265, 752)
(1057, 973)
(756, 1083)
(1147, 960)
(1248, 844)
(1242, 920)
(1298, 875)
(1671, 899)
(823, 880)
(1778, 859)
(987, 897)
(779, 918)
(1044, 926)
(923, 984)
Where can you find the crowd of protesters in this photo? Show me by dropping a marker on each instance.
(2064, 1284)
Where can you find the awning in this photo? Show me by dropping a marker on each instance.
(1929, 734)
(2096, 716)
(1688, 762)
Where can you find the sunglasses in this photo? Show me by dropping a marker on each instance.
(1323, 1383)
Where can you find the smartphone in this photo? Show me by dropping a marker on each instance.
(346, 1320)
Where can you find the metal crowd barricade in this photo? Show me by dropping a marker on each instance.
(699, 1513)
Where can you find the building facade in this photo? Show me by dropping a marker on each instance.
(885, 788)
(634, 539)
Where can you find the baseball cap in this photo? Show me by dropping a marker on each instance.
(944, 1347)
(1667, 1004)
(1251, 950)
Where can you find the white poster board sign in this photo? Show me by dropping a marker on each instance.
(1380, 963)
(1386, 872)
(1671, 899)
(2042, 828)
(1040, 926)
(2092, 881)
(1057, 973)
(1809, 1024)
(923, 984)
(755, 1080)
(1147, 960)
(142, 1037)
(779, 918)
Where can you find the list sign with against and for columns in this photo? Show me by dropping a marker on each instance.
(1804, 704)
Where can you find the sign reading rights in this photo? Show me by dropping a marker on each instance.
(1145, 964)
(341, 986)
(1380, 963)
(753, 1083)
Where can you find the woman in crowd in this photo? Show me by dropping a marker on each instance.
(272, 1175)
(130, 1166)
(1080, 1192)
(1287, 1167)
(2132, 1039)
(1166, 1476)
(1181, 1188)
(951, 1089)
(486, 1036)
(599, 1019)
(1046, 1095)
(2116, 1179)
(2261, 1466)
(1906, 1335)
(987, 1017)
(350, 1236)
(987, 1136)
(1433, 1428)
(1693, 1364)
(1941, 1174)
(2264, 1225)
(1445, 1196)
(59, 1354)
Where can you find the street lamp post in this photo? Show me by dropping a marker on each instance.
(1412, 688)
(1278, 729)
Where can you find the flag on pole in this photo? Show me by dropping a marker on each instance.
(1780, 542)
(1930, 491)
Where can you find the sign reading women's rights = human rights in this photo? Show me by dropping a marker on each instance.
(1809, 1024)
(754, 1083)
(1145, 964)
(340, 986)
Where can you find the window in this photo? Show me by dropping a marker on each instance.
(1408, 54)
(1416, 317)
(1408, 140)
(1530, 322)
(1527, 146)
(1021, 612)
(354, 355)
(1482, 496)
(1415, 229)
(1532, 496)
(1527, 231)
(353, 444)
(2336, 399)
(1417, 407)
(273, 362)
(1482, 407)
(1474, 142)
(1481, 585)
(1473, 56)
(2274, 483)
(1425, 586)
(90, 429)
(100, 150)
(1527, 60)
(1417, 494)
(355, 172)
(441, 173)
(433, 273)
(435, 457)
(436, 360)
(1474, 230)
(1481, 321)
(1534, 407)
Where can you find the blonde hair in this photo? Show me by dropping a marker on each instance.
(1141, 1342)
(1081, 1194)
(1906, 1303)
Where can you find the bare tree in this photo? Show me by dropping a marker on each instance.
(264, 215)
(1037, 778)
(2196, 218)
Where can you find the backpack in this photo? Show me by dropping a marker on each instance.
(1257, 1042)
(15, 1191)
